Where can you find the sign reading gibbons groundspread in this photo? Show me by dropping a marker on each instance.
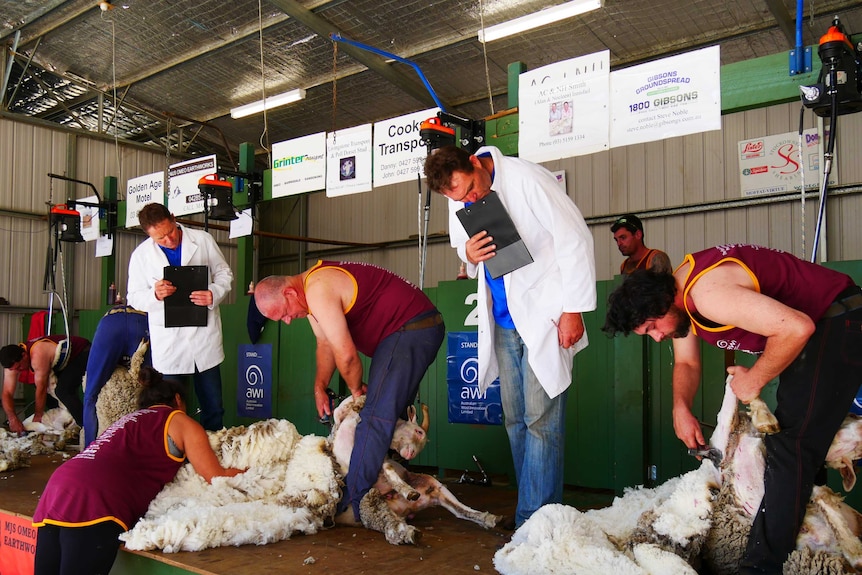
(466, 403)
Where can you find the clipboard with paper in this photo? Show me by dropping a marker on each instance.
(490, 215)
(179, 310)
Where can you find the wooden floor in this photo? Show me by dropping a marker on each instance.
(448, 545)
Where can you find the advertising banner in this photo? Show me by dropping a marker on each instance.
(141, 191)
(669, 97)
(563, 108)
(466, 403)
(17, 546)
(254, 381)
(399, 154)
(773, 164)
(348, 161)
(184, 197)
(299, 165)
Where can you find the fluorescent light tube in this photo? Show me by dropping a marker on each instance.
(540, 18)
(270, 103)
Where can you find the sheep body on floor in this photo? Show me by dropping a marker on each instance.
(291, 486)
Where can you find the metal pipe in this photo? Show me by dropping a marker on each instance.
(339, 38)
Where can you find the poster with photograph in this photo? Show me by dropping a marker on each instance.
(299, 165)
(399, 154)
(141, 191)
(348, 161)
(184, 197)
(773, 164)
(89, 217)
(670, 97)
(563, 108)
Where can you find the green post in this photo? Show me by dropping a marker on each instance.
(109, 263)
(515, 71)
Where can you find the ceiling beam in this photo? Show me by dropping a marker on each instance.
(374, 63)
(784, 20)
(31, 30)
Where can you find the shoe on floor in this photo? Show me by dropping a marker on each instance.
(507, 523)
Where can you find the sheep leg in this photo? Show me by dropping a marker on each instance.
(376, 515)
(448, 501)
(397, 482)
(762, 418)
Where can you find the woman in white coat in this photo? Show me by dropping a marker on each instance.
(190, 350)
(540, 305)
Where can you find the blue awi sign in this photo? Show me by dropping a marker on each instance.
(466, 403)
(254, 381)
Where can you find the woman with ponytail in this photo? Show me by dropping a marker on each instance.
(104, 490)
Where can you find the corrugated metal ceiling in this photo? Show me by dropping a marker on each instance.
(185, 63)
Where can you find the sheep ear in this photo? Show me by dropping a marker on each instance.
(411, 414)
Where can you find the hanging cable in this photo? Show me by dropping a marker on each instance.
(264, 136)
(802, 175)
(485, 56)
(334, 88)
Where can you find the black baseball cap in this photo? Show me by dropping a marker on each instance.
(629, 221)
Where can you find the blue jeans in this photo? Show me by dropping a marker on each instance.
(397, 368)
(208, 391)
(535, 424)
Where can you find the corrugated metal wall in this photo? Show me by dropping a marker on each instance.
(687, 174)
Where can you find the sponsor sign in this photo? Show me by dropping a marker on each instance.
(299, 165)
(184, 197)
(254, 381)
(141, 191)
(466, 403)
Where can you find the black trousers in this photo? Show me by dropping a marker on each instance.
(814, 396)
(77, 550)
(69, 385)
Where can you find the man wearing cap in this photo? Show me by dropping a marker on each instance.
(629, 234)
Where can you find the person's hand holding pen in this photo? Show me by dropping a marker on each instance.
(163, 289)
(570, 329)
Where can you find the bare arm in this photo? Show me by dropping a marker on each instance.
(686, 381)
(10, 381)
(661, 263)
(325, 368)
(190, 437)
(724, 298)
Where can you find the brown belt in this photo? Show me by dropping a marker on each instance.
(844, 305)
(423, 323)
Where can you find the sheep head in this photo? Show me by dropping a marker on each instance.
(410, 437)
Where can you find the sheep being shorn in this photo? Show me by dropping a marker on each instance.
(291, 486)
(555, 539)
(119, 395)
(397, 492)
(50, 435)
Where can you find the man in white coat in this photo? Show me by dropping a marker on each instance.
(182, 351)
(530, 323)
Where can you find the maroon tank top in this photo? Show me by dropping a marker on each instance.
(803, 286)
(382, 304)
(116, 477)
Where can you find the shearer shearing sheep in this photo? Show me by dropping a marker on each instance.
(58, 363)
(352, 308)
(789, 312)
(695, 523)
(120, 333)
(119, 395)
(397, 492)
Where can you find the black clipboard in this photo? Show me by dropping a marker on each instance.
(179, 310)
(490, 215)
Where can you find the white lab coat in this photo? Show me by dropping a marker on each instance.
(562, 277)
(178, 350)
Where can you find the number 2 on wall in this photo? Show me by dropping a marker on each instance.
(472, 317)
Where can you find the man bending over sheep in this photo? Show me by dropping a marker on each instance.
(117, 337)
(356, 307)
(805, 323)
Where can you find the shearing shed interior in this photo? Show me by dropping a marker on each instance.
(715, 123)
